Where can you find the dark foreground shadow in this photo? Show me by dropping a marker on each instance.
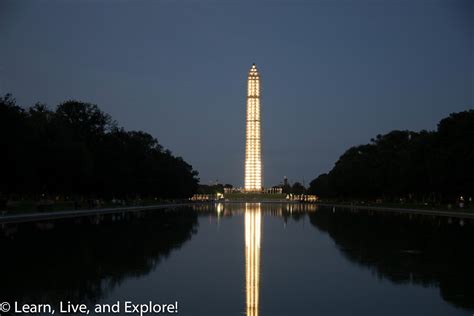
(82, 259)
(428, 251)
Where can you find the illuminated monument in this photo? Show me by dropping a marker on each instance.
(253, 139)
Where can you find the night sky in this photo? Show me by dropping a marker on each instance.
(334, 73)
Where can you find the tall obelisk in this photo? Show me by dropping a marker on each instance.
(253, 139)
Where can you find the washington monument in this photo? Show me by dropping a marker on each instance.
(253, 143)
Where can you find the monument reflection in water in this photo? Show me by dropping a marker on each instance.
(253, 233)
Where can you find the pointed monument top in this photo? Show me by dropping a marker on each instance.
(253, 69)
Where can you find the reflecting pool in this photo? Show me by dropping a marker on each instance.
(245, 259)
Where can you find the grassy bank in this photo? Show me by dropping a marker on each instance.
(407, 206)
(254, 197)
(31, 206)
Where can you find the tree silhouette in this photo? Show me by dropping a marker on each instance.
(426, 166)
(78, 151)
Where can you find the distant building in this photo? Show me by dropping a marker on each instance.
(274, 190)
(232, 190)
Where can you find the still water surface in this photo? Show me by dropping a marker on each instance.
(246, 259)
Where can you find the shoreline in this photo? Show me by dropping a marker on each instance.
(444, 213)
(41, 216)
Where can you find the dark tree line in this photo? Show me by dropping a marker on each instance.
(78, 150)
(211, 189)
(435, 166)
(296, 188)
